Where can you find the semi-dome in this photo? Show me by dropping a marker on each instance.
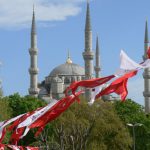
(68, 69)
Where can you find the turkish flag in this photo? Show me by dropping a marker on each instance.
(119, 86)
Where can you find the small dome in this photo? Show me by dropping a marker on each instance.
(68, 69)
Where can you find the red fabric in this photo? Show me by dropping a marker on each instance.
(15, 137)
(119, 86)
(2, 146)
(15, 123)
(54, 112)
(32, 148)
(21, 119)
(148, 53)
(88, 83)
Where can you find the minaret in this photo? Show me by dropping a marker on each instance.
(33, 70)
(97, 60)
(88, 54)
(146, 74)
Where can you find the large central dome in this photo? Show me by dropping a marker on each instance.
(68, 69)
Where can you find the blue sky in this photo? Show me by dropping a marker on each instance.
(60, 26)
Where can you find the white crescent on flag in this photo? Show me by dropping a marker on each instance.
(95, 91)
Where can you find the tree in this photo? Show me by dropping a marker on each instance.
(24, 104)
(84, 127)
(1, 92)
(131, 112)
(15, 105)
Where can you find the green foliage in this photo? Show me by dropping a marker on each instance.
(5, 110)
(15, 105)
(1, 92)
(89, 127)
(131, 112)
(25, 104)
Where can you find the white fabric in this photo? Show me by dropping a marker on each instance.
(1, 128)
(31, 119)
(5, 123)
(95, 91)
(146, 63)
(127, 64)
(14, 147)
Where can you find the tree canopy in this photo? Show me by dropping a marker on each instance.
(131, 112)
(100, 126)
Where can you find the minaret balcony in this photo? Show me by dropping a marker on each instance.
(88, 55)
(97, 68)
(33, 70)
(33, 51)
(146, 94)
(146, 74)
(33, 91)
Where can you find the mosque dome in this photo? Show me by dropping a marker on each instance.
(68, 68)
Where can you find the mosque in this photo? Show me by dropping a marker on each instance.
(54, 85)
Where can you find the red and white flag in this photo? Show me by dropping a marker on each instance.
(119, 86)
(4, 124)
(31, 119)
(127, 64)
(55, 109)
(91, 83)
(95, 91)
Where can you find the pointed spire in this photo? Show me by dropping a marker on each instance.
(88, 20)
(69, 61)
(146, 40)
(33, 30)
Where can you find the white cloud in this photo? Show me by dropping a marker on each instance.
(17, 13)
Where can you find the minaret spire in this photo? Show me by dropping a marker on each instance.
(33, 51)
(88, 19)
(88, 53)
(97, 60)
(146, 40)
(146, 74)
